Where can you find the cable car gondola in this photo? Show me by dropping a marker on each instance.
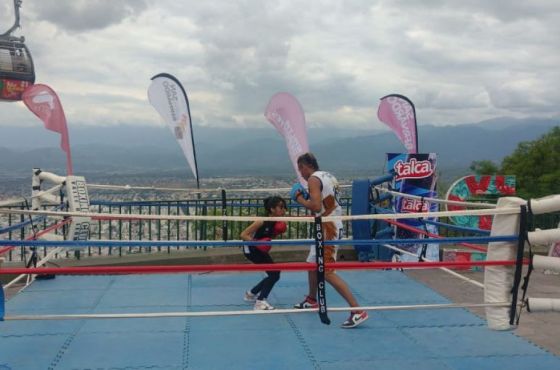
(16, 64)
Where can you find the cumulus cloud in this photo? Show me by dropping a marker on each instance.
(6, 15)
(84, 15)
(459, 61)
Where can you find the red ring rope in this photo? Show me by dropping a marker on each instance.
(297, 266)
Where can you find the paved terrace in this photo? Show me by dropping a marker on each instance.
(435, 339)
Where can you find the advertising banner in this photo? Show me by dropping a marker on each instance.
(398, 112)
(478, 187)
(45, 104)
(415, 174)
(168, 97)
(285, 113)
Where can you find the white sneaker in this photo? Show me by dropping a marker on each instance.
(249, 297)
(262, 305)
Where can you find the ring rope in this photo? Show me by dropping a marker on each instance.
(291, 266)
(308, 219)
(193, 190)
(12, 202)
(31, 221)
(21, 225)
(250, 312)
(236, 243)
(456, 227)
(41, 262)
(432, 235)
(420, 231)
(38, 234)
(437, 200)
(190, 203)
(445, 269)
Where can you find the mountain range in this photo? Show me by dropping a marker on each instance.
(257, 152)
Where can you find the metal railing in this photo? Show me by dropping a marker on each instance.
(20, 227)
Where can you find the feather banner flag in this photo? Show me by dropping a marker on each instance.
(45, 104)
(286, 115)
(168, 97)
(397, 112)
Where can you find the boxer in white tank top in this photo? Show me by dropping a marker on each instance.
(323, 201)
(330, 206)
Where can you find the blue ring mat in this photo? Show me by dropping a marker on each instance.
(419, 339)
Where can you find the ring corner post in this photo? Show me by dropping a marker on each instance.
(499, 281)
(319, 254)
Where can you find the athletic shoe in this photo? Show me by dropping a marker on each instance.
(262, 305)
(355, 319)
(249, 297)
(308, 302)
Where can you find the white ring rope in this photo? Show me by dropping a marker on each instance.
(308, 219)
(12, 202)
(193, 190)
(445, 269)
(539, 206)
(251, 312)
(437, 200)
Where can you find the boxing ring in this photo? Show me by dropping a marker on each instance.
(194, 317)
(389, 339)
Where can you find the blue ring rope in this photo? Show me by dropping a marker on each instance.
(21, 225)
(437, 223)
(216, 243)
(35, 220)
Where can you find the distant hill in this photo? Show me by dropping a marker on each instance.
(255, 152)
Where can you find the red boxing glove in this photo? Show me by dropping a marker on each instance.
(264, 248)
(279, 228)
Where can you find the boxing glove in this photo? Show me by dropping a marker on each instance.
(265, 247)
(298, 189)
(279, 228)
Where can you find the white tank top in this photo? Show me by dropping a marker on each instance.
(330, 205)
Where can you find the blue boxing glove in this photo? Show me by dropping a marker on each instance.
(298, 190)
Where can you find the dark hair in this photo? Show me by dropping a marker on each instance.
(308, 159)
(272, 202)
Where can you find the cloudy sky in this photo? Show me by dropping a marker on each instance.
(458, 61)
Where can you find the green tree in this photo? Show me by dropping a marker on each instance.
(536, 166)
(484, 167)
